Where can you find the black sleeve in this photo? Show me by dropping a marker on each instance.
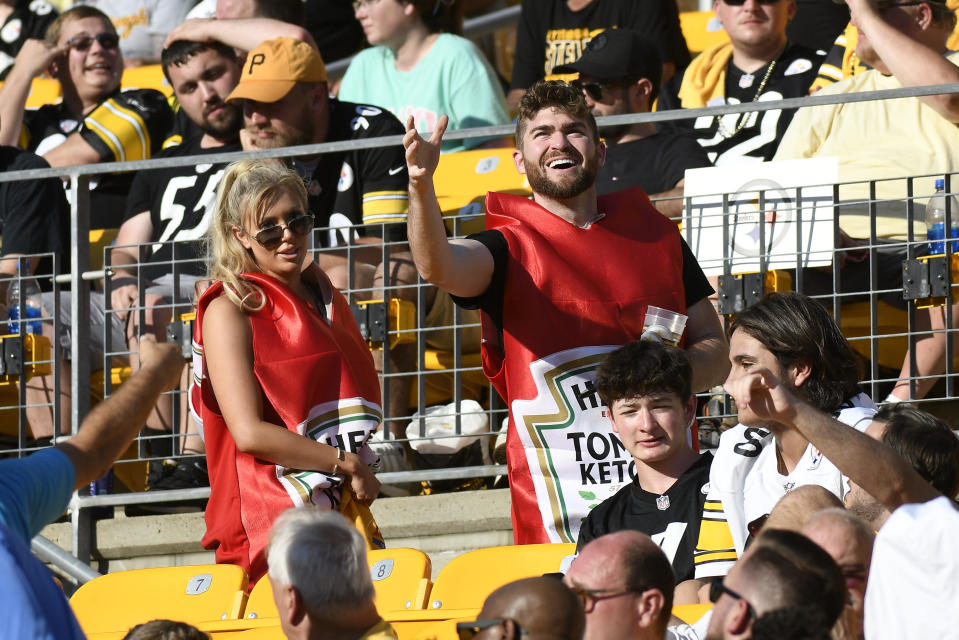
(34, 213)
(491, 300)
(530, 48)
(669, 100)
(381, 177)
(140, 198)
(682, 153)
(694, 280)
(658, 21)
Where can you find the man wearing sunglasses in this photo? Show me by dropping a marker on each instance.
(781, 569)
(757, 64)
(96, 121)
(905, 43)
(620, 73)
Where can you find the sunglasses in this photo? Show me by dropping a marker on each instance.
(595, 89)
(82, 43)
(468, 630)
(271, 237)
(589, 597)
(717, 589)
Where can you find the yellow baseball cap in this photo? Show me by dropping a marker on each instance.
(274, 67)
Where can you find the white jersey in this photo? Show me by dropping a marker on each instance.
(913, 591)
(745, 484)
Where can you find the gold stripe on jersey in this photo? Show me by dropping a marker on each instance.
(385, 206)
(715, 542)
(122, 130)
(714, 556)
(172, 141)
(713, 506)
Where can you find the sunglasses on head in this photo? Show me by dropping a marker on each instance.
(107, 40)
(468, 630)
(271, 237)
(739, 3)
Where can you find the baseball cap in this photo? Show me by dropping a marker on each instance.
(617, 53)
(275, 66)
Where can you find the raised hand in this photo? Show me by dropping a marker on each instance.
(761, 398)
(36, 56)
(422, 156)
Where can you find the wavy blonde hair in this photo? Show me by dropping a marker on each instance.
(247, 190)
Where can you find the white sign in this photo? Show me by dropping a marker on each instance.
(780, 210)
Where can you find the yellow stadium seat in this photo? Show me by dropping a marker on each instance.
(691, 613)
(149, 76)
(462, 180)
(260, 604)
(401, 578)
(701, 30)
(195, 594)
(36, 351)
(465, 582)
(43, 91)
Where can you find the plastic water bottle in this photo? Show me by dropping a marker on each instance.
(27, 288)
(936, 220)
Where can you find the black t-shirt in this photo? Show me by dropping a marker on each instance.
(129, 125)
(695, 284)
(654, 163)
(334, 27)
(181, 202)
(760, 133)
(550, 34)
(817, 23)
(34, 214)
(348, 189)
(29, 19)
(674, 528)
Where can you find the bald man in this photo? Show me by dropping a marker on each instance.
(848, 539)
(796, 507)
(534, 608)
(626, 584)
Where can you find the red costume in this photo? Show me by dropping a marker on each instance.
(317, 379)
(571, 295)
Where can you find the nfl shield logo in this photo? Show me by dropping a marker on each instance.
(662, 503)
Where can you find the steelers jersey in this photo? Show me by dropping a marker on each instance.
(672, 519)
(355, 192)
(745, 483)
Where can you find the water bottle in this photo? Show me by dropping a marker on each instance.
(28, 289)
(936, 220)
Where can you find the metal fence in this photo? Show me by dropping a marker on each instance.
(877, 332)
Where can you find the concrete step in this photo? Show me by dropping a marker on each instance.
(442, 525)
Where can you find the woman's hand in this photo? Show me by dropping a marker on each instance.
(364, 484)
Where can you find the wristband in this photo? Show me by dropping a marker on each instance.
(341, 457)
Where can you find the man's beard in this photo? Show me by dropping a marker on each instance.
(570, 186)
(227, 126)
(289, 137)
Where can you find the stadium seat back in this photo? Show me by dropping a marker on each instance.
(462, 180)
(701, 30)
(465, 582)
(260, 604)
(148, 76)
(194, 594)
(401, 578)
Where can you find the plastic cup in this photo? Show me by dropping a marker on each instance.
(663, 325)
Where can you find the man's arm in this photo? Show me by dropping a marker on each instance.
(33, 59)
(670, 203)
(244, 34)
(913, 63)
(72, 151)
(464, 268)
(706, 346)
(871, 464)
(111, 425)
(135, 230)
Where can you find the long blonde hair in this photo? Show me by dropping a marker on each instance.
(247, 190)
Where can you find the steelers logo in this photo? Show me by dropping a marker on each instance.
(346, 178)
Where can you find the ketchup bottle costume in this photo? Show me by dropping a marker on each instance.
(317, 379)
(571, 296)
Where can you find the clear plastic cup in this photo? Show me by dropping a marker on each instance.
(663, 325)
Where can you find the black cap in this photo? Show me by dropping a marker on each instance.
(617, 53)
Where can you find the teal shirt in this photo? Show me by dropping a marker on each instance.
(453, 79)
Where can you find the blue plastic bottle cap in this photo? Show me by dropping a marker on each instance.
(940, 184)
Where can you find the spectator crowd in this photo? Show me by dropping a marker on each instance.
(819, 514)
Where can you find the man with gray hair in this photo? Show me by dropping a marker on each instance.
(320, 579)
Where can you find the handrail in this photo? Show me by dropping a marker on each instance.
(52, 554)
(478, 132)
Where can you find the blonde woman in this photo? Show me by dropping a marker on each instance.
(287, 393)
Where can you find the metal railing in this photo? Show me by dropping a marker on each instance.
(80, 273)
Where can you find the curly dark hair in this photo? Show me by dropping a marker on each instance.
(642, 368)
(553, 93)
(796, 328)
